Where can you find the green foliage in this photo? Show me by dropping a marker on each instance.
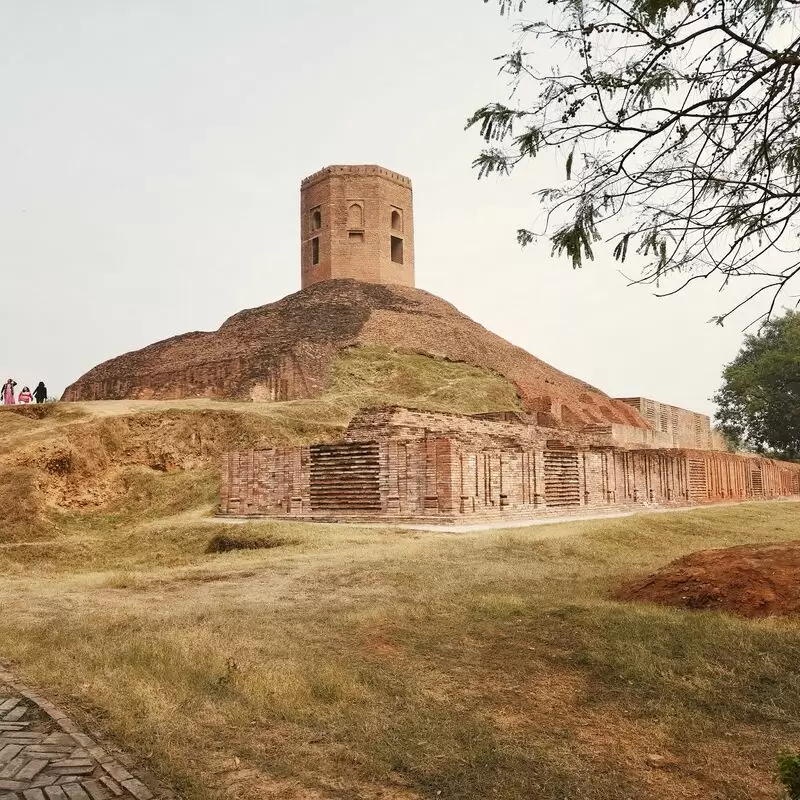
(576, 239)
(759, 402)
(679, 121)
(789, 773)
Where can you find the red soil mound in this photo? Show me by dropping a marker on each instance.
(283, 351)
(758, 581)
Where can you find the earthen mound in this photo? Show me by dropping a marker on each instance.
(284, 350)
(752, 581)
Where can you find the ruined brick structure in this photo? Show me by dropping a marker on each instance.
(401, 464)
(682, 428)
(357, 273)
(284, 351)
(357, 222)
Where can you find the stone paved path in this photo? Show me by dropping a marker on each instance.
(43, 755)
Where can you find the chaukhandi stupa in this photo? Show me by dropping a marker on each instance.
(357, 279)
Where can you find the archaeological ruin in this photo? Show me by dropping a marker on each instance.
(357, 278)
(400, 464)
(572, 447)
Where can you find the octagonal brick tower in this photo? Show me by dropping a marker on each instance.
(357, 222)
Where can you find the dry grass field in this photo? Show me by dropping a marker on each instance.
(352, 662)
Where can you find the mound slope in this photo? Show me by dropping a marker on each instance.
(750, 581)
(284, 351)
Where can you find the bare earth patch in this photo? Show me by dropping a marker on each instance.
(760, 581)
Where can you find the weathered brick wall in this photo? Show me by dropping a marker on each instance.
(632, 437)
(401, 463)
(500, 429)
(437, 476)
(274, 482)
(353, 212)
(678, 426)
(503, 430)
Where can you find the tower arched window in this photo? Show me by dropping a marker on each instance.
(316, 219)
(397, 220)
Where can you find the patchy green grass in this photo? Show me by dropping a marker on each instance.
(365, 376)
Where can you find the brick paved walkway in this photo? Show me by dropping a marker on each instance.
(43, 755)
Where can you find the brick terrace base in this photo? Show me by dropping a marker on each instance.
(406, 466)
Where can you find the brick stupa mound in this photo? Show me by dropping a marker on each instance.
(752, 581)
(283, 351)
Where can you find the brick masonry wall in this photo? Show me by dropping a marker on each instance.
(499, 428)
(360, 209)
(273, 481)
(400, 463)
(441, 477)
(503, 430)
(678, 426)
(632, 437)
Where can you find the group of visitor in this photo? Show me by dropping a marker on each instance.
(25, 396)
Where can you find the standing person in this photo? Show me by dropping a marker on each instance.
(25, 396)
(40, 392)
(8, 392)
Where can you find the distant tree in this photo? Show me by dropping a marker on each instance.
(677, 122)
(732, 443)
(759, 402)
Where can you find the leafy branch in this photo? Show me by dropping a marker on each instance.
(678, 121)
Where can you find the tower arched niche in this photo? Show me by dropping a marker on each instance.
(355, 217)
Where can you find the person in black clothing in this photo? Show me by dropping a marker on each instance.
(40, 392)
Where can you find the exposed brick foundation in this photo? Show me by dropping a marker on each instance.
(401, 464)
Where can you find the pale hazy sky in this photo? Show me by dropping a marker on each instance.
(151, 153)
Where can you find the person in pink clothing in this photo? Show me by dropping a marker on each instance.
(8, 392)
(25, 396)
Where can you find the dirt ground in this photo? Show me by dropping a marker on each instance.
(760, 581)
